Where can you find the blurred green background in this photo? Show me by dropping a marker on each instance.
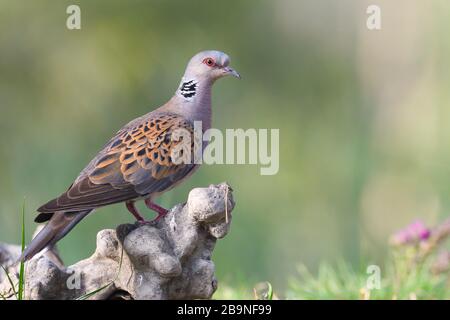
(363, 117)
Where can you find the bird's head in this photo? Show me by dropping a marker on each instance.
(209, 65)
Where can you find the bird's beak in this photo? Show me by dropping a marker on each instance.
(231, 72)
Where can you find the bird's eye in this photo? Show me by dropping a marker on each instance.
(209, 62)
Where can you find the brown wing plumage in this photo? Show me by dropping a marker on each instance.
(135, 163)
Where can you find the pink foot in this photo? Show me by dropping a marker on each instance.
(133, 210)
(158, 209)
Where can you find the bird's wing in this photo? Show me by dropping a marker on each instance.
(136, 162)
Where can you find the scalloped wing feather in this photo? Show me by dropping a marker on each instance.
(136, 162)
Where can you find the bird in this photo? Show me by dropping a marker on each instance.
(136, 163)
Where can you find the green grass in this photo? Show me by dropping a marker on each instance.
(11, 283)
(343, 282)
(19, 293)
(415, 269)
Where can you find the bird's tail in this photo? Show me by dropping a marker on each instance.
(57, 227)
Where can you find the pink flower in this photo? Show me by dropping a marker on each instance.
(413, 233)
(418, 229)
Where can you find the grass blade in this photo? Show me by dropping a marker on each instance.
(22, 264)
(269, 291)
(90, 294)
(10, 281)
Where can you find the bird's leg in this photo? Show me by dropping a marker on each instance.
(134, 211)
(153, 206)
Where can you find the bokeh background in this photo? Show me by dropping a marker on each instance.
(363, 117)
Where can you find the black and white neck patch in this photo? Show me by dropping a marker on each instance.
(188, 89)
